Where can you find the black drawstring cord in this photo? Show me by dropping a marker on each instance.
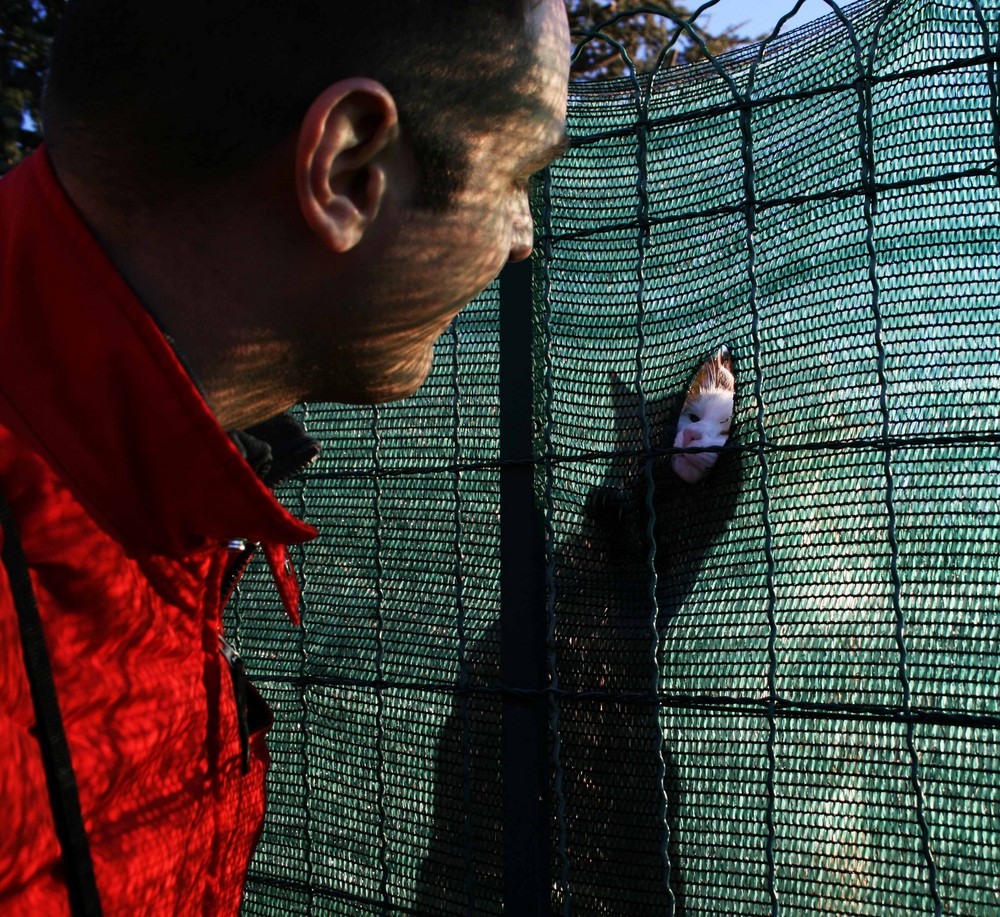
(63, 793)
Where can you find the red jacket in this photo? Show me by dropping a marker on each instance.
(126, 492)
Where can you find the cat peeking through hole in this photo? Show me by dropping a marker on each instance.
(705, 417)
(682, 488)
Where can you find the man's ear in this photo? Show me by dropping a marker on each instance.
(339, 168)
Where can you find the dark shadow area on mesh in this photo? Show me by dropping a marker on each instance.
(611, 780)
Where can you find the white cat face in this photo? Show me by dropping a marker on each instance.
(704, 422)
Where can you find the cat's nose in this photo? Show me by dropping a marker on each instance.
(690, 435)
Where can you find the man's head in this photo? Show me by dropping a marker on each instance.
(193, 90)
(411, 130)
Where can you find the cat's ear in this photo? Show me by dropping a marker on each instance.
(625, 404)
(607, 502)
(726, 359)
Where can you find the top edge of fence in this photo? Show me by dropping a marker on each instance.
(783, 35)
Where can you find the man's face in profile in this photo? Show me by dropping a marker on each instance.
(437, 260)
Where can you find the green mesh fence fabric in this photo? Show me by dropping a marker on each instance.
(776, 693)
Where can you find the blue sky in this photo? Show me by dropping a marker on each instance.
(762, 15)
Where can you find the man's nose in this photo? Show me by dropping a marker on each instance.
(522, 237)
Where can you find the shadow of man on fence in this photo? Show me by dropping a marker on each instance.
(617, 790)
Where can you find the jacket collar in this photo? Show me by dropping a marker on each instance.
(88, 380)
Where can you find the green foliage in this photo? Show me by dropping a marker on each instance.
(644, 35)
(26, 30)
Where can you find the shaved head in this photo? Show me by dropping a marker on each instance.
(187, 92)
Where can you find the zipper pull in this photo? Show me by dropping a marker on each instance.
(285, 579)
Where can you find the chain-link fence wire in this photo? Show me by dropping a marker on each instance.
(773, 693)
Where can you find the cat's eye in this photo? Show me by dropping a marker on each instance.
(694, 418)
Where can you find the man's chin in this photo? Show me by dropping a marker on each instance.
(397, 390)
(399, 382)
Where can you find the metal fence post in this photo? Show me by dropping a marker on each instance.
(523, 657)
